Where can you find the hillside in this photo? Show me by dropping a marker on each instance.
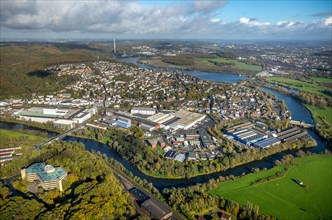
(21, 65)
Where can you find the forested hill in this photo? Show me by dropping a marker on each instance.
(20, 64)
(90, 190)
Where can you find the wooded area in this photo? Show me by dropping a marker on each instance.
(87, 192)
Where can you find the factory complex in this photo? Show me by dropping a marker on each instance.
(257, 135)
(143, 117)
(64, 118)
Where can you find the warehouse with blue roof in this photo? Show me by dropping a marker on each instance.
(267, 143)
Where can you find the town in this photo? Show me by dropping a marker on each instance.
(174, 111)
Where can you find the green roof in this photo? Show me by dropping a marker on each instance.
(41, 115)
(44, 176)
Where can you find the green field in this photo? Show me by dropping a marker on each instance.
(282, 197)
(321, 115)
(7, 136)
(204, 60)
(312, 86)
(322, 80)
(233, 63)
(237, 64)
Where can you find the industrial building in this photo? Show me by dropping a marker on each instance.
(146, 124)
(122, 122)
(143, 111)
(62, 118)
(180, 157)
(43, 115)
(205, 139)
(267, 143)
(171, 120)
(243, 126)
(64, 124)
(177, 120)
(292, 134)
(46, 176)
(170, 154)
(246, 133)
(187, 119)
(138, 194)
(152, 142)
(150, 206)
(155, 210)
(191, 156)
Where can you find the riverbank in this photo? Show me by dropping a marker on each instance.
(321, 117)
(42, 126)
(15, 137)
(222, 77)
(239, 169)
(207, 62)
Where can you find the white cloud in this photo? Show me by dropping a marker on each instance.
(244, 20)
(215, 20)
(253, 22)
(208, 5)
(328, 21)
(131, 18)
(287, 24)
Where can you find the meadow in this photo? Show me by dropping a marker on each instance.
(16, 137)
(321, 115)
(282, 197)
(210, 63)
(313, 85)
(232, 63)
(237, 64)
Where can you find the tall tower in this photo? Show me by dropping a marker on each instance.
(114, 50)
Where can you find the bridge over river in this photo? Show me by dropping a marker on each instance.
(61, 136)
(301, 124)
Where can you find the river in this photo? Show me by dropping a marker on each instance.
(213, 76)
(159, 183)
(299, 112)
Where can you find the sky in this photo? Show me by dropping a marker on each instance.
(166, 19)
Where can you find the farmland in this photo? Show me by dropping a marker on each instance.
(282, 197)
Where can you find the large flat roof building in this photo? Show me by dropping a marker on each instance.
(267, 143)
(187, 119)
(60, 117)
(143, 111)
(155, 209)
(46, 176)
